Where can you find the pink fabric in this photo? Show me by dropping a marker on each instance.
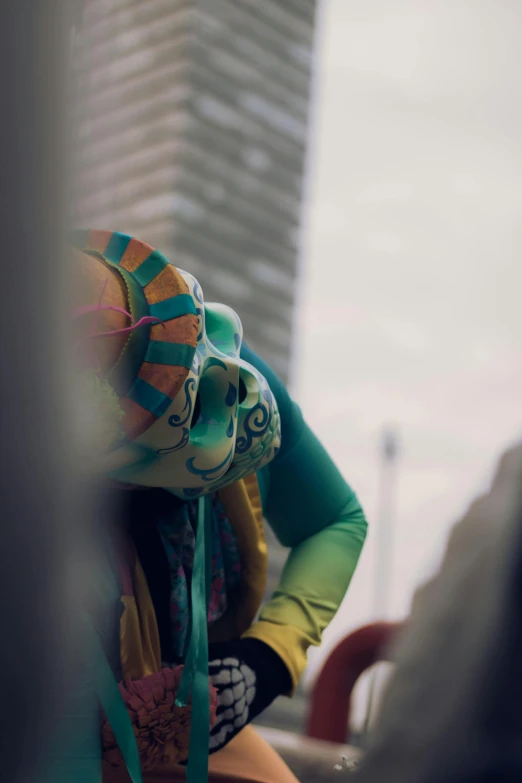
(162, 730)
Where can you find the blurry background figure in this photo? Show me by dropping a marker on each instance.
(39, 483)
(192, 135)
(452, 710)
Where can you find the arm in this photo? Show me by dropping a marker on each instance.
(313, 511)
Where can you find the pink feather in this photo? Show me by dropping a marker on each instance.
(85, 310)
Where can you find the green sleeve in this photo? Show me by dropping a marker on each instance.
(315, 513)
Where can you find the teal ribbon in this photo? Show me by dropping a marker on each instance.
(150, 398)
(174, 307)
(173, 354)
(111, 701)
(194, 679)
(118, 244)
(149, 269)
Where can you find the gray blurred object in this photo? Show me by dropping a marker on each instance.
(37, 487)
(452, 713)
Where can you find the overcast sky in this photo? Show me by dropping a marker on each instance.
(411, 299)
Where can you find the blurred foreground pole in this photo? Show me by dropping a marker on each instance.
(37, 484)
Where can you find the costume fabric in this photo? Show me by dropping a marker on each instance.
(313, 512)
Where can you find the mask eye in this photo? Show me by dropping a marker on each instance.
(242, 392)
(248, 388)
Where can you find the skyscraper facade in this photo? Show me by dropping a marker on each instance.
(192, 125)
(193, 129)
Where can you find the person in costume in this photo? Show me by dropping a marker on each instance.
(201, 443)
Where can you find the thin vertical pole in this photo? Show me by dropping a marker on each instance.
(385, 525)
(386, 515)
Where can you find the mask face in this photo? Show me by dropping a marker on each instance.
(223, 424)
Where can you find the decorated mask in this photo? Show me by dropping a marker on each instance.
(194, 416)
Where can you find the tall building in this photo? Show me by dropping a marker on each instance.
(193, 124)
(193, 127)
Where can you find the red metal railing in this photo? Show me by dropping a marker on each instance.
(329, 711)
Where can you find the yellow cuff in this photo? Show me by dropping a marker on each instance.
(290, 643)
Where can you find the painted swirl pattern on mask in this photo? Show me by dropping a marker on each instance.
(192, 455)
(207, 474)
(176, 420)
(256, 423)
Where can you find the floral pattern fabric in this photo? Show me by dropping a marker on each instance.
(177, 535)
